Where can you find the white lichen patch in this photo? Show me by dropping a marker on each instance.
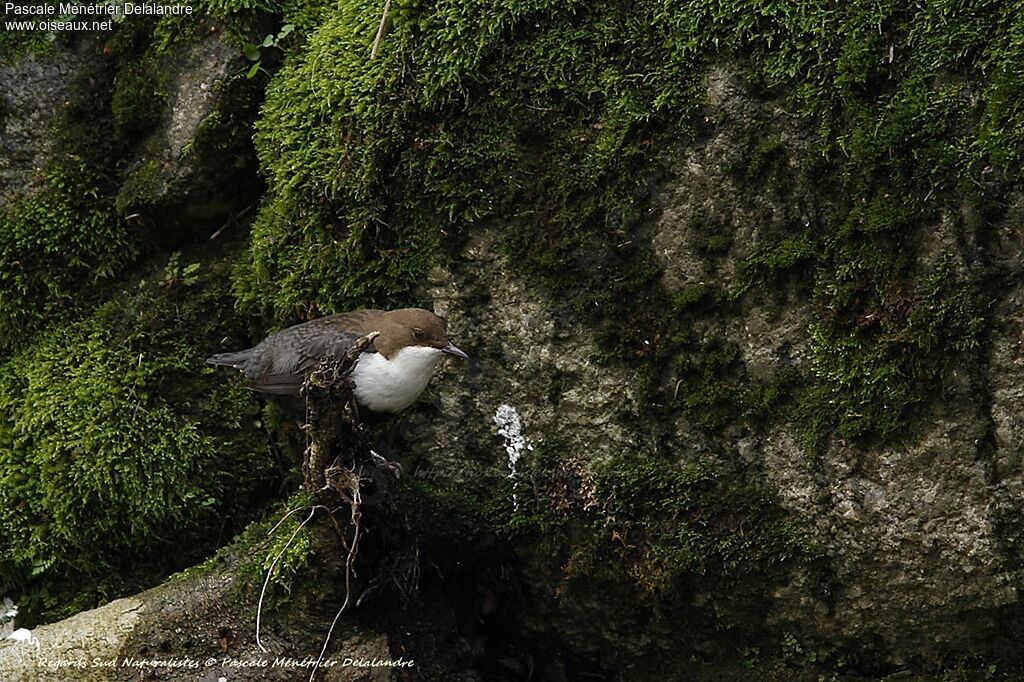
(510, 426)
(23, 635)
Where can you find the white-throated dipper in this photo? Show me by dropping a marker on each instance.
(390, 374)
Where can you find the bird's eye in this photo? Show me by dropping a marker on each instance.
(417, 334)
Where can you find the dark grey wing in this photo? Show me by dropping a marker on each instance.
(278, 384)
(238, 359)
(283, 360)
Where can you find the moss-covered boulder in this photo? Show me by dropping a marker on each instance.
(115, 149)
(123, 455)
(51, 244)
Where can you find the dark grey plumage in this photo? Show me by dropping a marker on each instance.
(280, 363)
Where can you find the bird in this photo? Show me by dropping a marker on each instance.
(390, 374)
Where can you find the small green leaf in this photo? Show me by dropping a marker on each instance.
(252, 52)
(253, 71)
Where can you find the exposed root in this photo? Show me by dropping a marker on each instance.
(333, 435)
(353, 550)
(336, 467)
(270, 571)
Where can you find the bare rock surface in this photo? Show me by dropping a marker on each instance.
(35, 88)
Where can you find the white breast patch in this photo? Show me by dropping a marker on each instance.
(392, 385)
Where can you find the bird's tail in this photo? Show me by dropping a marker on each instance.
(236, 359)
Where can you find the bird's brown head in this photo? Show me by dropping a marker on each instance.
(414, 327)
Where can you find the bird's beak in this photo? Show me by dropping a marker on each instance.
(453, 349)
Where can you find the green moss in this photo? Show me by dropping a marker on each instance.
(17, 44)
(175, 32)
(692, 295)
(871, 376)
(710, 381)
(120, 445)
(641, 540)
(228, 7)
(283, 545)
(139, 187)
(122, 456)
(665, 508)
(224, 137)
(67, 235)
(550, 120)
(713, 389)
(765, 164)
(770, 262)
(369, 174)
(70, 234)
(709, 235)
(717, 244)
(238, 22)
(140, 98)
(51, 243)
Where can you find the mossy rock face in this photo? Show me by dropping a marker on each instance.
(195, 167)
(735, 270)
(120, 444)
(140, 98)
(576, 150)
(53, 242)
(534, 172)
(116, 149)
(37, 89)
(124, 456)
(374, 168)
(373, 189)
(58, 230)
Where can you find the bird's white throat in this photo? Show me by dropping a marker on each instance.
(384, 385)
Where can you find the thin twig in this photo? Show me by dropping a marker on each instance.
(380, 29)
(233, 219)
(285, 518)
